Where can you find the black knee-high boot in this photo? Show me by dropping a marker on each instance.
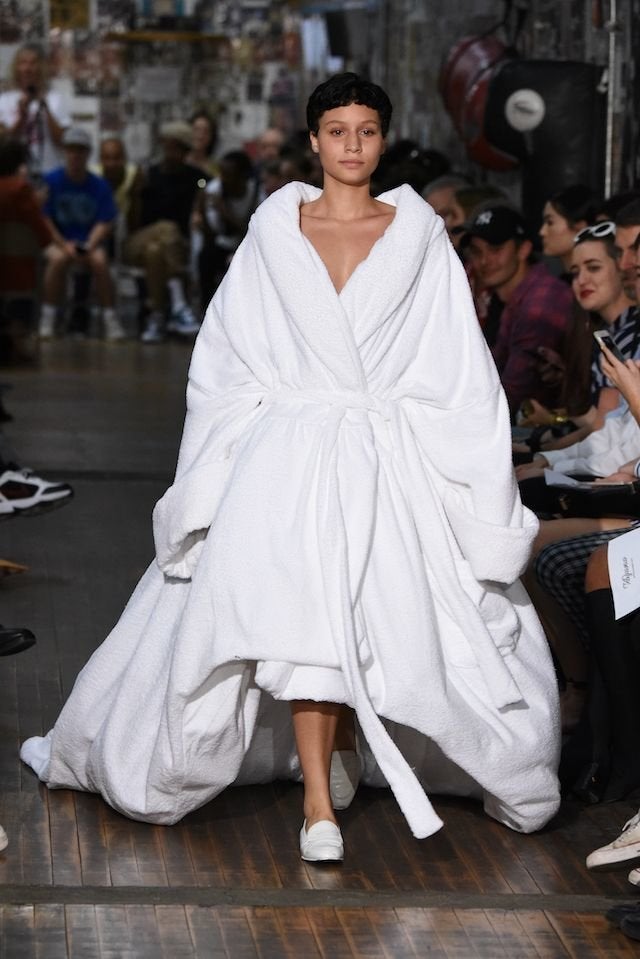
(614, 651)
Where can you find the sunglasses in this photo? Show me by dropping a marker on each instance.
(596, 232)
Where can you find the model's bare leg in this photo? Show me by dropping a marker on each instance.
(315, 726)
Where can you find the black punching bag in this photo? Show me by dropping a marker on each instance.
(551, 115)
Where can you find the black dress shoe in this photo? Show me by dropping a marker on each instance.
(15, 640)
(623, 911)
(630, 925)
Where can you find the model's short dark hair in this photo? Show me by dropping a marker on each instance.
(576, 203)
(12, 155)
(343, 89)
(629, 215)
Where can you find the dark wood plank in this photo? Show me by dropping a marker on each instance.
(175, 933)
(512, 936)
(236, 934)
(391, 932)
(360, 933)
(329, 933)
(144, 931)
(65, 847)
(113, 933)
(82, 932)
(574, 935)
(49, 932)
(205, 932)
(17, 932)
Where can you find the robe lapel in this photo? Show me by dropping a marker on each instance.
(302, 284)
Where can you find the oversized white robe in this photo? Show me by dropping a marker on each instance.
(344, 525)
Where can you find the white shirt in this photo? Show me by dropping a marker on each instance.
(44, 155)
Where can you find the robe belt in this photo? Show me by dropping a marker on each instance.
(332, 532)
(341, 400)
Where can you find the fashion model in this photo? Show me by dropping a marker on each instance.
(342, 542)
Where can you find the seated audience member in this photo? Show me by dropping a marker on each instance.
(81, 212)
(125, 180)
(597, 284)
(564, 214)
(268, 146)
(536, 305)
(440, 194)
(161, 245)
(471, 200)
(602, 299)
(223, 215)
(204, 137)
(560, 566)
(627, 222)
(19, 206)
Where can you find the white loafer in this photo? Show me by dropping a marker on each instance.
(344, 777)
(322, 843)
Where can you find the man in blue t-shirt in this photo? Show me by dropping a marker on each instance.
(81, 212)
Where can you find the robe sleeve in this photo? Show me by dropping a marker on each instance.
(223, 398)
(461, 422)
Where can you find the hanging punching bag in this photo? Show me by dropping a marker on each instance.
(551, 114)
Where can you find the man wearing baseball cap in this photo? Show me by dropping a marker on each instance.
(535, 306)
(81, 212)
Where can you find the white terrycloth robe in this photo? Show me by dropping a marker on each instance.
(344, 525)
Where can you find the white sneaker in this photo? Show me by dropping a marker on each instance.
(625, 849)
(183, 321)
(4, 839)
(46, 327)
(113, 329)
(21, 491)
(153, 332)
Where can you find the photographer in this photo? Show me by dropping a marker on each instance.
(32, 114)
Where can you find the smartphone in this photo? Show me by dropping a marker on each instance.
(602, 337)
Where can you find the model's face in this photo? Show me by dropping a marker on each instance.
(349, 143)
(444, 203)
(496, 265)
(596, 280)
(556, 232)
(28, 69)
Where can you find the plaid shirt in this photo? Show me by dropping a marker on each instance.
(537, 313)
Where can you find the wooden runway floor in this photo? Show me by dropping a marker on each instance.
(80, 880)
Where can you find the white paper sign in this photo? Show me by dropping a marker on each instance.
(623, 558)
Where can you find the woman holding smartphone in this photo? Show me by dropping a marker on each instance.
(333, 547)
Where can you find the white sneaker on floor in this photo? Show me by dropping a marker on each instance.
(153, 332)
(183, 321)
(344, 777)
(625, 849)
(21, 491)
(322, 842)
(4, 839)
(46, 327)
(113, 329)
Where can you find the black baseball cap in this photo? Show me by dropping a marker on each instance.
(496, 224)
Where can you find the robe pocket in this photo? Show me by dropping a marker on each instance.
(496, 553)
(494, 609)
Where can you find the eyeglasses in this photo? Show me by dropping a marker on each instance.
(596, 232)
